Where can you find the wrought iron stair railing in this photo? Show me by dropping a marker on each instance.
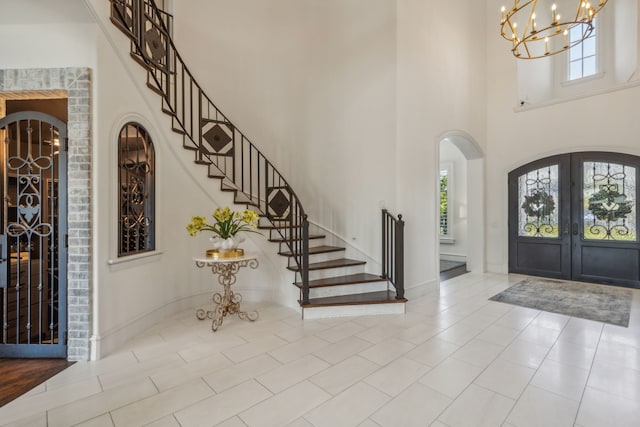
(217, 142)
(225, 150)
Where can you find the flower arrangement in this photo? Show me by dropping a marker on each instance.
(227, 223)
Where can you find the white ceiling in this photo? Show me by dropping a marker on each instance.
(43, 11)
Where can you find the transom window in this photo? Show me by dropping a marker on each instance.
(136, 171)
(583, 56)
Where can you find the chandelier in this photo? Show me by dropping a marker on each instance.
(539, 28)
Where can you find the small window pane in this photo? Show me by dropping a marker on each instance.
(589, 46)
(575, 53)
(575, 70)
(589, 66)
(539, 202)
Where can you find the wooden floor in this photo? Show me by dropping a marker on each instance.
(18, 376)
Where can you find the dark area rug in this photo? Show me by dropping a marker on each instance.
(584, 300)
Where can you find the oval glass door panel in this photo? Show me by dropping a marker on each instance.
(609, 208)
(538, 201)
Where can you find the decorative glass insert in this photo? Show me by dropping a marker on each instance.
(582, 57)
(609, 210)
(444, 202)
(539, 203)
(136, 171)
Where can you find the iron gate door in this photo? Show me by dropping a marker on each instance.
(33, 227)
(574, 217)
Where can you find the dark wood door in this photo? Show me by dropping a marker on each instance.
(574, 216)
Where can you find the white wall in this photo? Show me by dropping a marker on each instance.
(312, 84)
(606, 121)
(440, 88)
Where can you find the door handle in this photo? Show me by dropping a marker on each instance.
(574, 229)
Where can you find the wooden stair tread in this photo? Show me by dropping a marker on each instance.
(311, 236)
(381, 297)
(350, 279)
(315, 250)
(336, 263)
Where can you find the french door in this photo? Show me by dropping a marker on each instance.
(33, 258)
(574, 216)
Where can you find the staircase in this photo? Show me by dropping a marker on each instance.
(330, 284)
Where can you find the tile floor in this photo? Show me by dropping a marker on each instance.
(455, 359)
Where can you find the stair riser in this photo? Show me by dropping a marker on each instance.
(358, 288)
(326, 256)
(333, 272)
(352, 310)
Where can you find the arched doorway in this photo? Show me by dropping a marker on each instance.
(467, 211)
(574, 216)
(33, 235)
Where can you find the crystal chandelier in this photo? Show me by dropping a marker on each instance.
(539, 28)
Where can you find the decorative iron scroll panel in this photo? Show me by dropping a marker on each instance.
(609, 209)
(136, 162)
(538, 195)
(34, 225)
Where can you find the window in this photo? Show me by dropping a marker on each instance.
(445, 203)
(136, 171)
(583, 56)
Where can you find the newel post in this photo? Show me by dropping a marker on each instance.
(399, 261)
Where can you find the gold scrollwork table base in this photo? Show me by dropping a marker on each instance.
(228, 302)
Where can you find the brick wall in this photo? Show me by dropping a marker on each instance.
(77, 83)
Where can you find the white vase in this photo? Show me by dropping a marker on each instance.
(226, 245)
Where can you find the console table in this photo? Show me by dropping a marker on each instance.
(228, 302)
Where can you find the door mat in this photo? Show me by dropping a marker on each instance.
(584, 300)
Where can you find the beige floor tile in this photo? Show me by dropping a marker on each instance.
(300, 422)
(626, 336)
(285, 407)
(572, 354)
(478, 352)
(499, 335)
(539, 408)
(525, 353)
(419, 334)
(622, 355)
(140, 371)
(162, 404)
(297, 349)
(507, 378)
(451, 377)
(397, 376)
(518, 318)
(551, 321)
(378, 333)
(103, 420)
(544, 337)
(566, 380)
(237, 374)
(337, 352)
(214, 344)
(285, 376)
(24, 407)
(228, 404)
(615, 380)
(254, 348)
(417, 406)
(459, 334)
(348, 408)
(168, 421)
(38, 419)
(343, 375)
(599, 408)
(387, 351)
(341, 331)
(100, 403)
(433, 352)
(477, 407)
(169, 378)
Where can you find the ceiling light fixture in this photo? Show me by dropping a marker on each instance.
(540, 28)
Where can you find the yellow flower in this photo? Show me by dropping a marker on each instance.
(250, 217)
(222, 215)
